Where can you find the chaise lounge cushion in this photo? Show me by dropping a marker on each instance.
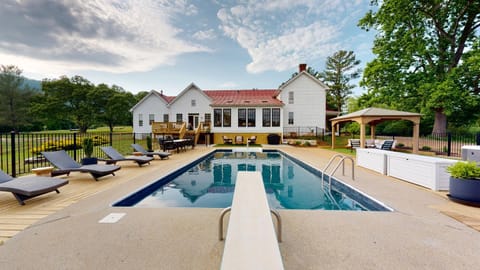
(30, 186)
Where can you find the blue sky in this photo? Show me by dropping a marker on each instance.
(167, 44)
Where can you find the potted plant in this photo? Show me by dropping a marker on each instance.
(465, 182)
(149, 144)
(87, 146)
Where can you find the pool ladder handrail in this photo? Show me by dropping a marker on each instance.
(228, 209)
(342, 162)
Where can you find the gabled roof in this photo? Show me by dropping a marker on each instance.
(189, 88)
(244, 98)
(308, 75)
(161, 96)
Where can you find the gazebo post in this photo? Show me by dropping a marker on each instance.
(362, 135)
(416, 132)
(333, 135)
(372, 131)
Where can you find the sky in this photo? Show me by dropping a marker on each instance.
(167, 44)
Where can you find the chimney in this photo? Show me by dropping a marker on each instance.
(302, 67)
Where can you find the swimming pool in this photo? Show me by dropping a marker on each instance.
(289, 183)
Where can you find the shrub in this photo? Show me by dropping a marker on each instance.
(464, 170)
(426, 148)
(298, 143)
(307, 143)
(88, 147)
(400, 145)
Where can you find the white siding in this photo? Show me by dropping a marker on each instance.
(183, 105)
(152, 105)
(309, 102)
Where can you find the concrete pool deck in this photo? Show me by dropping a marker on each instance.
(419, 234)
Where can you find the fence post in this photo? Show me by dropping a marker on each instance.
(449, 143)
(111, 138)
(75, 146)
(13, 156)
(478, 138)
(134, 138)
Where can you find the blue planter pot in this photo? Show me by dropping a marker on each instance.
(465, 191)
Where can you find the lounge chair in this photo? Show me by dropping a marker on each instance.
(115, 157)
(252, 139)
(28, 187)
(160, 154)
(65, 164)
(238, 139)
(227, 140)
(387, 145)
(353, 144)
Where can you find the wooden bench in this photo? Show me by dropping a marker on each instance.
(251, 242)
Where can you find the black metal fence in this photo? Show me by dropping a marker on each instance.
(446, 144)
(21, 152)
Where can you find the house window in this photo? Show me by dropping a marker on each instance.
(151, 119)
(276, 117)
(266, 117)
(208, 118)
(165, 118)
(179, 118)
(140, 120)
(221, 117)
(193, 103)
(242, 117)
(290, 118)
(271, 117)
(227, 117)
(290, 97)
(246, 117)
(251, 117)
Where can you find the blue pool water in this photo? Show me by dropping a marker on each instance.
(289, 183)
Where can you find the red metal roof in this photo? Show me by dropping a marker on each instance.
(244, 98)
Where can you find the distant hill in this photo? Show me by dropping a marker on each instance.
(34, 84)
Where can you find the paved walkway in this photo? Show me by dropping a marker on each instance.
(61, 231)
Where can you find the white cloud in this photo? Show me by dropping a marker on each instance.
(57, 38)
(205, 35)
(280, 34)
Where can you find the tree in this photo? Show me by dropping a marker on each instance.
(339, 70)
(420, 48)
(113, 105)
(15, 98)
(69, 100)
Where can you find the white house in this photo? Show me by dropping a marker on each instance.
(300, 102)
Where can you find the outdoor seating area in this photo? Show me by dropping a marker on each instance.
(370, 143)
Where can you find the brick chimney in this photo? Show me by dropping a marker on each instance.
(302, 67)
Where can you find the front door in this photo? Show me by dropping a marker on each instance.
(193, 120)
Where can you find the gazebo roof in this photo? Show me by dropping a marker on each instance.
(375, 112)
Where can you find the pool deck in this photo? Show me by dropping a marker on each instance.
(62, 231)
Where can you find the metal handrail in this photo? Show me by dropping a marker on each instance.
(330, 161)
(275, 213)
(342, 161)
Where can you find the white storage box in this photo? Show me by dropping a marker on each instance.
(421, 170)
(373, 159)
(471, 152)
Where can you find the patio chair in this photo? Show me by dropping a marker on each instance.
(25, 188)
(387, 145)
(252, 139)
(115, 157)
(238, 139)
(65, 164)
(227, 140)
(160, 154)
(353, 144)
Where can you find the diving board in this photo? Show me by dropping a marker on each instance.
(251, 242)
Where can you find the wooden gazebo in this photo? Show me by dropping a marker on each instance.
(373, 116)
